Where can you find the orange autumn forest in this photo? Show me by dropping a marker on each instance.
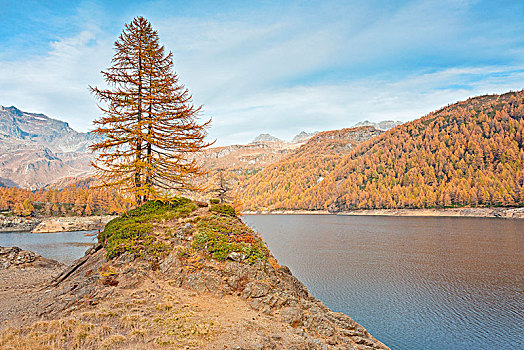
(466, 154)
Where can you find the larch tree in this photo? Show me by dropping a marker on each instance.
(223, 185)
(149, 125)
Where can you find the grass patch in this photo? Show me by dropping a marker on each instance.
(219, 235)
(133, 231)
(223, 209)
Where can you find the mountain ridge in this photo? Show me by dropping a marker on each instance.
(36, 150)
(55, 134)
(469, 153)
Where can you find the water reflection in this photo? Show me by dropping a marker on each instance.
(415, 283)
(62, 246)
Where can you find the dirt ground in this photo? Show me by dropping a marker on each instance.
(155, 313)
(19, 290)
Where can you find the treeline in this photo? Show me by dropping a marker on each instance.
(71, 200)
(467, 154)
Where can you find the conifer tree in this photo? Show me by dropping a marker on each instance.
(149, 128)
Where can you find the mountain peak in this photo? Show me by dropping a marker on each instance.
(37, 149)
(303, 136)
(265, 138)
(12, 110)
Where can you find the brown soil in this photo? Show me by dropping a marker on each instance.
(21, 287)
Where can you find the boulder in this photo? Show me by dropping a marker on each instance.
(14, 256)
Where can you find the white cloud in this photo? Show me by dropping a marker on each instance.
(286, 112)
(285, 73)
(56, 84)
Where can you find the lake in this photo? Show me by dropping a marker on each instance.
(62, 246)
(412, 282)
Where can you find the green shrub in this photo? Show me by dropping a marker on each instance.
(223, 209)
(158, 207)
(214, 201)
(218, 236)
(133, 231)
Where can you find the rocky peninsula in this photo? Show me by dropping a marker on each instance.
(17, 224)
(177, 275)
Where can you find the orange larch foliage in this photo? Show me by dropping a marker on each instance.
(149, 124)
(71, 200)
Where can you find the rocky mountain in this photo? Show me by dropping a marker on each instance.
(299, 138)
(382, 125)
(235, 164)
(266, 138)
(39, 128)
(252, 157)
(303, 136)
(36, 150)
(244, 158)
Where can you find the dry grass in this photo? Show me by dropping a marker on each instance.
(140, 319)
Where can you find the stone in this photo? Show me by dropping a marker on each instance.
(292, 316)
(236, 256)
(196, 282)
(322, 326)
(256, 290)
(125, 258)
(291, 283)
(17, 224)
(14, 256)
(284, 269)
(169, 265)
(212, 280)
(93, 249)
(236, 283)
(256, 304)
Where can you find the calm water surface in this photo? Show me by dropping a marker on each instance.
(413, 282)
(62, 246)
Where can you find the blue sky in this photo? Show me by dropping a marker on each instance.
(270, 66)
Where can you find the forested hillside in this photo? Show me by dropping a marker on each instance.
(71, 200)
(466, 154)
(283, 184)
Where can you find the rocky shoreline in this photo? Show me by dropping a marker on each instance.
(75, 223)
(17, 257)
(53, 224)
(18, 224)
(22, 275)
(508, 213)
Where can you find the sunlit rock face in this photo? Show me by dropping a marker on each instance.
(36, 150)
